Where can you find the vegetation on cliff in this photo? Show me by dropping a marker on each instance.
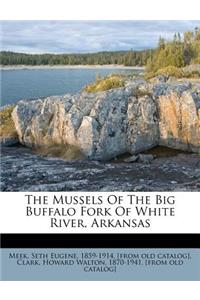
(7, 127)
(170, 56)
(168, 71)
(172, 71)
(105, 83)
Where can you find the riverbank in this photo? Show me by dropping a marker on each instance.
(118, 132)
(24, 170)
(48, 67)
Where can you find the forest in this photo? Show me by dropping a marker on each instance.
(127, 58)
(181, 51)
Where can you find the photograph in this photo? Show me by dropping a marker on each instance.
(100, 105)
(99, 149)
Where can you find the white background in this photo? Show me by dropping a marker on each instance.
(99, 9)
(13, 217)
(141, 290)
(187, 220)
(91, 10)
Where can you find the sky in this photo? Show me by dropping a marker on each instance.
(87, 36)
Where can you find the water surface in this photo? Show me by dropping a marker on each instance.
(34, 83)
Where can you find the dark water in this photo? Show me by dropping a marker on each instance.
(29, 84)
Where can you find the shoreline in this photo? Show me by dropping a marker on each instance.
(94, 176)
(56, 67)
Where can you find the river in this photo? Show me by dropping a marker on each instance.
(33, 83)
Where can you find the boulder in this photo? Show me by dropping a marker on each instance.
(131, 159)
(103, 125)
(145, 158)
(179, 121)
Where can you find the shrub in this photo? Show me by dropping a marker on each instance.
(174, 72)
(149, 75)
(67, 152)
(168, 71)
(104, 84)
(171, 71)
(7, 127)
(192, 74)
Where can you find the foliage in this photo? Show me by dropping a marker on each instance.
(104, 84)
(7, 127)
(168, 71)
(176, 53)
(67, 152)
(174, 72)
(127, 58)
(192, 74)
(181, 51)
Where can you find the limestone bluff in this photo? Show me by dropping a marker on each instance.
(103, 125)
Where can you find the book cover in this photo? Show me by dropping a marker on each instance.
(100, 143)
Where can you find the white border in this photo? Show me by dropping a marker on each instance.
(99, 10)
(102, 10)
(100, 290)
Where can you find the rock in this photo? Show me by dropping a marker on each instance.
(103, 125)
(145, 158)
(179, 121)
(9, 141)
(138, 188)
(23, 170)
(163, 89)
(160, 79)
(131, 159)
(142, 131)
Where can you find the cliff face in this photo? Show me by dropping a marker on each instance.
(179, 121)
(103, 125)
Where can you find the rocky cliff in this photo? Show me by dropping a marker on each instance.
(102, 125)
(178, 106)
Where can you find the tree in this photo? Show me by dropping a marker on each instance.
(177, 52)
